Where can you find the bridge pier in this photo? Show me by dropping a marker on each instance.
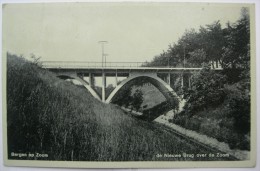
(189, 79)
(103, 87)
(90, 77)
(169, 78)
(182, 81)
(116, 78)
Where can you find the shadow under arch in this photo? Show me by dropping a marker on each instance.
(64, 77)
(162, 86)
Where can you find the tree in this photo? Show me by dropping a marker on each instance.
(236, 53)
(137, 99)
(215, 39)
(210, 39)
(237, 39)
(123, 97)
(197, 58)
(207, 90)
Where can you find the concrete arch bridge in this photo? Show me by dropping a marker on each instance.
(132, 71)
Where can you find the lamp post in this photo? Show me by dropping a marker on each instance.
(103, 42)
(105, 59)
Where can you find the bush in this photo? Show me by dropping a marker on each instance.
(206, 90)
(238, 102)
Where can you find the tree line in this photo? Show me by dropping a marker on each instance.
(227, 47)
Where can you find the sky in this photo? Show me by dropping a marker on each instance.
(135, 32)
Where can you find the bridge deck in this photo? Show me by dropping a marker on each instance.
(96, 67)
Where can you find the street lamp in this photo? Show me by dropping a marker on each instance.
(103, 42)
(105, 58)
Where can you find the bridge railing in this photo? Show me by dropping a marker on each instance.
(79, 64)
(84, 64)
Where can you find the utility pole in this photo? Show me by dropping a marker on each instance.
(103, 42)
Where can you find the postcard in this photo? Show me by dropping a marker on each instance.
(129, 84)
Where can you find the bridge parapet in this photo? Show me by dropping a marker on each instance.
(111, 66)
(84, 64)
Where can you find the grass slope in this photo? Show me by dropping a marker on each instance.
(50, 116)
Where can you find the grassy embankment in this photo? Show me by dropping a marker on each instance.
(216, 123)
(50, 116)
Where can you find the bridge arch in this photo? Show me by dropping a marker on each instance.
(82, 81)
(162, 86)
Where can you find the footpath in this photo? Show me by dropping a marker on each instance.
(212, 142)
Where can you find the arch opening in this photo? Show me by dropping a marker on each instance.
(171, 97)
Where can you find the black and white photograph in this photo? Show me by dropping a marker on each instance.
(129, 84)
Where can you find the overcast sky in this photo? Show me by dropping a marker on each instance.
(135, 32)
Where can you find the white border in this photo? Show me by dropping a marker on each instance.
(257, 7)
